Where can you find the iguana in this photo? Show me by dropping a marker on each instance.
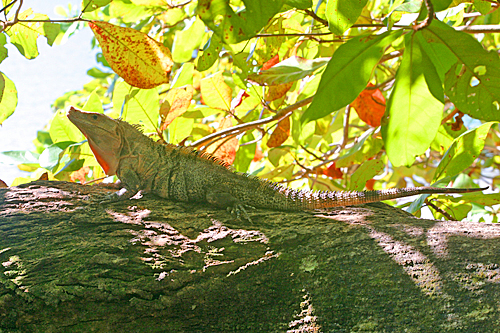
(183, 174)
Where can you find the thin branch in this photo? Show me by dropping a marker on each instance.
(316, 17)
(10, 4)
(439, 210)
(16, 17)
(478, 29)
(283, 113)
(345, 137)
(430, 16)
(449, 116)
(76, 19)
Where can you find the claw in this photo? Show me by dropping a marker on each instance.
(239, 210)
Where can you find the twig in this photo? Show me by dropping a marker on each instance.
(478, 29)
(10, 4)
(315, 16)
(430, 16)
(283, 113)
(346, 128)
(449, 116)
(439, 210)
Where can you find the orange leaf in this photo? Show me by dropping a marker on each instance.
(215, 92)
(3, 184)
(333, 172)
(44, 176)
(139, 59)
(227, 150)
(258, 154)
(80, 175)
(277, 91)
(280, 133)
(271, 62)
(369, 184)
(175, 104)
(370, 106)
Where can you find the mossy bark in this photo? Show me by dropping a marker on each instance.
(150, 265)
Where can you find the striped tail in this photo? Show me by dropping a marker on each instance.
(308, 200)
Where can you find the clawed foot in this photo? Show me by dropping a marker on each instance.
(120, 195)
(239, 210)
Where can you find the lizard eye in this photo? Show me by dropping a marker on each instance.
(94, 117)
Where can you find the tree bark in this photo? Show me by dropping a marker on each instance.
(70, 264)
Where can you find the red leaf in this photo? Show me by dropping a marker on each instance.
(271, 62)
(370, 106)
(333, 172)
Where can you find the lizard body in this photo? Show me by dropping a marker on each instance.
(183, 174)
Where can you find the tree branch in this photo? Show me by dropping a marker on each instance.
(430, 16)
(283, 113)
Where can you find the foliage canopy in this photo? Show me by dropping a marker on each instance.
(334, 95)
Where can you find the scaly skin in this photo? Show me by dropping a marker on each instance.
(182, 174)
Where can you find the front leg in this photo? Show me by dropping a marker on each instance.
(226, 200)
(131, 186)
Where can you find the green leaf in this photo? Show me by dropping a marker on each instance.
(97, 73)
(210, 53)
(367, 146)
(413, 113)
(457, 208)
(180, 129)
(288, 70)
(440, 55)
(61, 129)
(463, 151)
(19, 157)
(3, 50)
(94, 4)
(444, 138)
(484, 199)
(412, 6)
(129, 12)
(365, 172)
(184, 75)
(93, 103)
(187, 40)
(482, 6)
(137, 106)
(245, 153)
(300, 4)
(232, 28)
(342, 14)
(347, 73)
(51, 156)
(8, 97)
(473, 83)
(24, 34)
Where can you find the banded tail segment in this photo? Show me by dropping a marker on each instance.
(308, 200)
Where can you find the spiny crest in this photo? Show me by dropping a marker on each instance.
(204, 155)
(137, 127)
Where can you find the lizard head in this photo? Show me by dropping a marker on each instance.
(103, 135)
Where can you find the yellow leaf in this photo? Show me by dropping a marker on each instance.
(175, 104)
(139, 59)
(215, 92)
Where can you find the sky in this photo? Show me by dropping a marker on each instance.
(40, 81)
